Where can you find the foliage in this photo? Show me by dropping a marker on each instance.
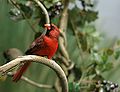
(93, 60)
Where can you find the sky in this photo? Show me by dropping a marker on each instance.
(109, 17)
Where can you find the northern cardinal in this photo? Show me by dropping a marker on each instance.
(44, 45)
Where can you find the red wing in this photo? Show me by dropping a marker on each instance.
(36, 46)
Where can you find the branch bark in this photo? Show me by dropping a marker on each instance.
(33, 58)
(63, 41)
(44, 10)
(63, 27)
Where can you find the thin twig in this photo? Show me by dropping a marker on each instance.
(32, 82)
(63, 27)
(27, 80)
(36, 84)
(75, 33)
(33, 58)
(77, 39)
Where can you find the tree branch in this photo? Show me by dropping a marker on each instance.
(13, 53)
(44, 10)
(63, 27)
(33, 58)
(63, 41)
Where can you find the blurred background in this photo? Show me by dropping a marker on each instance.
(108, 21)
(20, 35)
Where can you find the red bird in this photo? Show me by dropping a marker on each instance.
(44, 45)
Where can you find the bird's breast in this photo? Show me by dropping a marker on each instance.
(52, 48)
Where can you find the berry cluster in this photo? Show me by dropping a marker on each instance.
(108, 86)
(84, 4)
(55, 9)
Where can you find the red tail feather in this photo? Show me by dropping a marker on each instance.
(20, 72)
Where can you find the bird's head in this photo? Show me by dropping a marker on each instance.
(52, 30)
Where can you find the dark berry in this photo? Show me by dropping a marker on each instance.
(57, 12)
(58, 4)
(116, 85)
(98, 82)
(104, 82)
(111, 83)
(112, 86)
(83, 3)
(55, 9)
(107, 88)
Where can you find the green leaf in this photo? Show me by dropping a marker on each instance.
(108, 66)
(91, 70)
(88, 15)
(74, 87)
(104, 57)
(38, 34)
(55, 20)
(96, 57)
(98, 78)
(22, 1)
(109, 51)
(91, 16)
(49, 3)
(117, 54)
(77, 87)
(26, 9)
(77, 73)
(15, 14)
(3, 78)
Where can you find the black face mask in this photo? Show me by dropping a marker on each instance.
(48, 31)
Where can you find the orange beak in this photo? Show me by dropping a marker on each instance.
(47, 26)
